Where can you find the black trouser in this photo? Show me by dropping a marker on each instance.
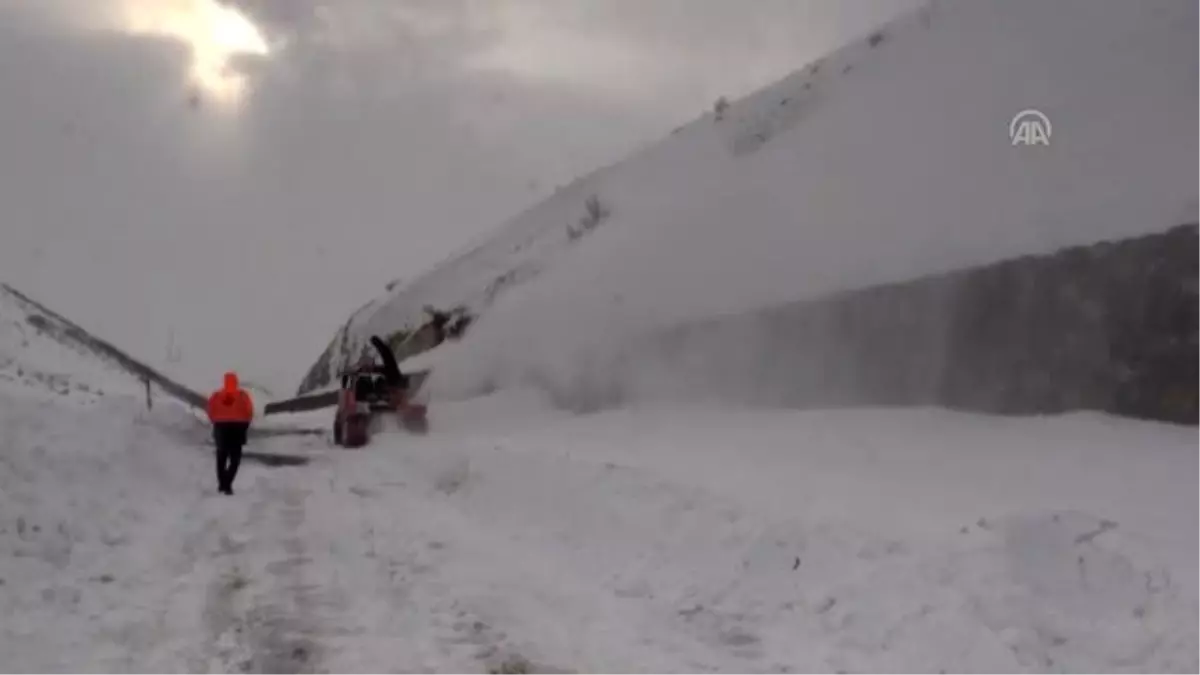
(229, 438)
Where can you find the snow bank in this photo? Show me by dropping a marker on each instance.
(42, 350)
(32, 360)
(91, 500)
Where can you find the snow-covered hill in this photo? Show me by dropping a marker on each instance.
(33, 360)
(41, 350)
(884, 161)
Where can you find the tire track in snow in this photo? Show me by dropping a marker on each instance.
(265, 620)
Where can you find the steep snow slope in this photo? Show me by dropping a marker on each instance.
(517, 254)
(33, 361)
(38, 346)
(886, 160)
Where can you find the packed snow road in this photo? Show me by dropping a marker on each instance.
(637, 540)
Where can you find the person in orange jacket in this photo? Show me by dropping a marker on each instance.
(230, 410)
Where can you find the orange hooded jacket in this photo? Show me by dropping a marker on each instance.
(231, 403)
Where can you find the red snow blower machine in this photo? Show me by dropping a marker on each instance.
(369, 392)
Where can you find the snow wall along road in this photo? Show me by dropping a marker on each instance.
(1111, 326)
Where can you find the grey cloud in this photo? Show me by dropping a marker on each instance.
(372, 143)
(585, 44)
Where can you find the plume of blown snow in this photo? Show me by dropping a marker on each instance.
(864, 169)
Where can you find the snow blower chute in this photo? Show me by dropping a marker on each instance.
(370, 389)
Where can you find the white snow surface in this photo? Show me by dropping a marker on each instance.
(884, 161)
(35, 363)
(662, 536)
(647, 539)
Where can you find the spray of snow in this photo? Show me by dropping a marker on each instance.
(889, 159)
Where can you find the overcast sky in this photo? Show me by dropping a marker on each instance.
(243, 180)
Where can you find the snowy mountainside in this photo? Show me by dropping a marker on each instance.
(472, 280)
(524, 246)
(41, 350)
(887, 160)
(29, 357)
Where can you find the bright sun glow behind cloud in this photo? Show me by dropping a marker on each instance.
(214, 33)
